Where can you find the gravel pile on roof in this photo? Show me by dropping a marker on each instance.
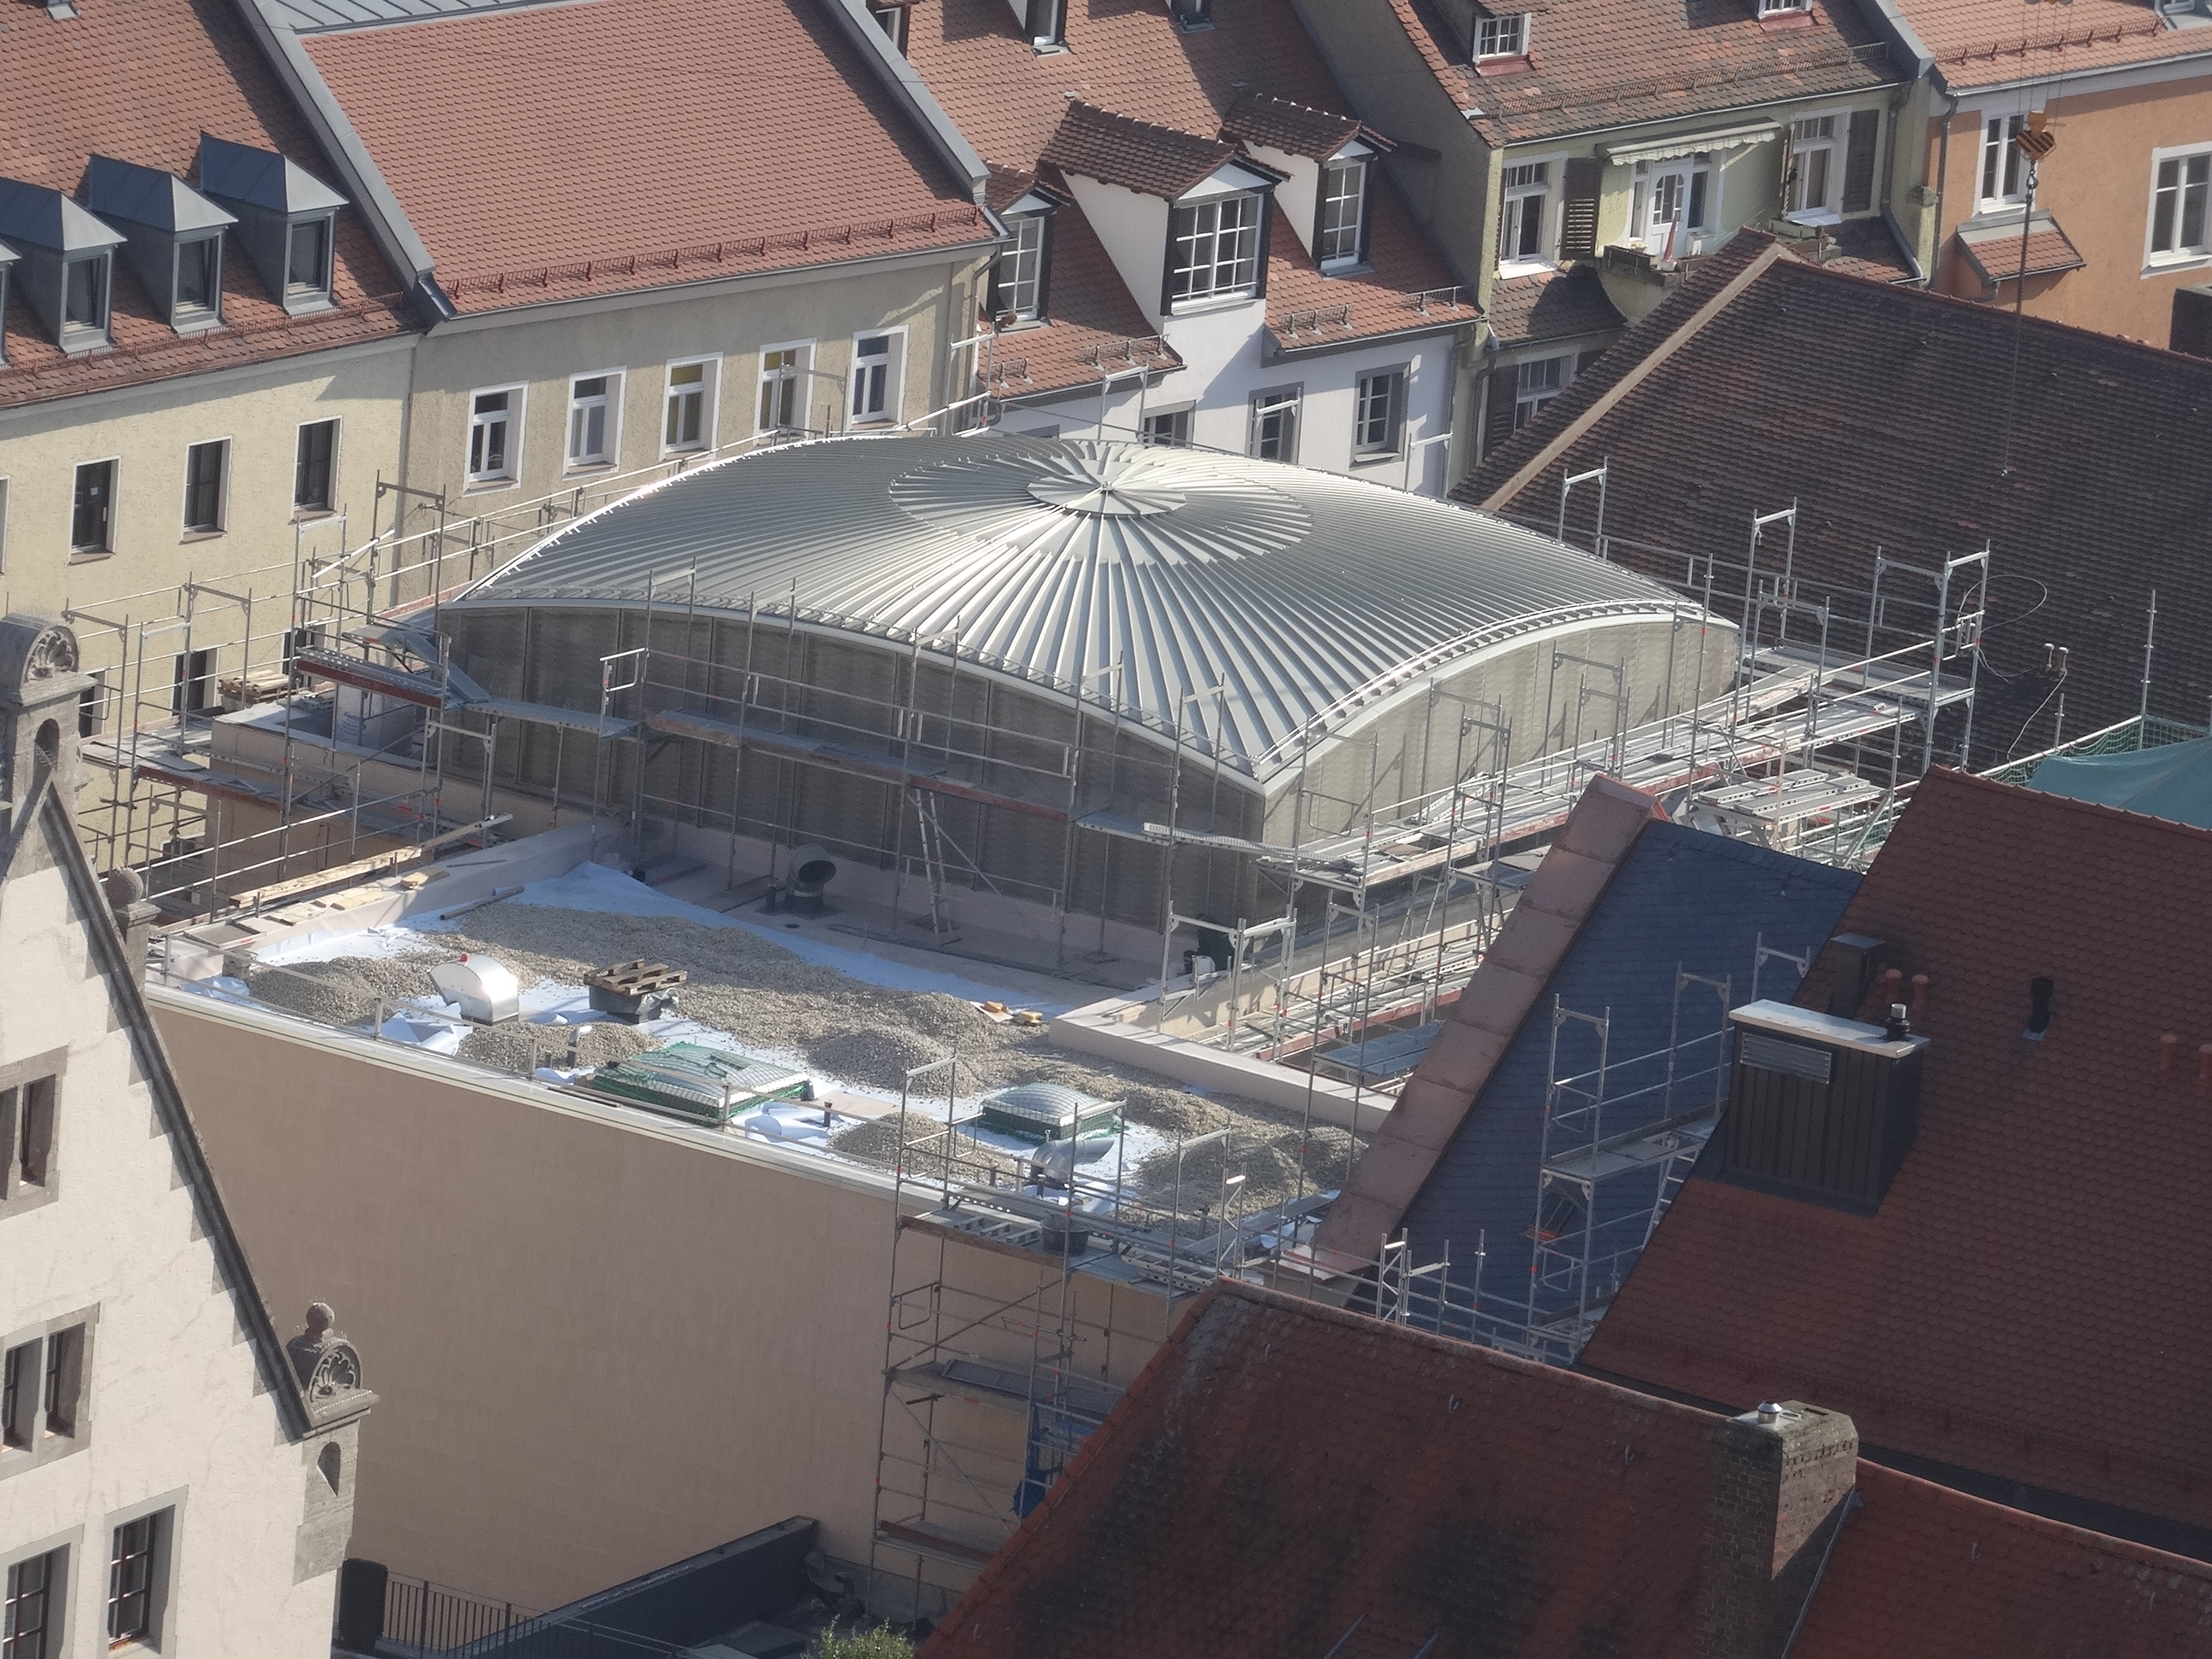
(851, 1032)
(343, 992)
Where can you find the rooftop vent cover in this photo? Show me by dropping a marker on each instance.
(706, 1085)
(1819, 1107)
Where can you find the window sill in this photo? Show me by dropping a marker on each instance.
(1507, 268)
(1218, 302)
(587, 469)
(1788, 19)
(90, 554)
(312, 514)
(489, 486)
(2165, 264)
(1348, 268)
(689, 450)
(1812, 216)
(1516, 64)
(192, 536)
(1378, 458)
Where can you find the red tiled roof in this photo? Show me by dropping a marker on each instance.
(1139, 155)
(141, 80)
(1857, 247)
(1175, 92)
(1092, 325)
(717, 137)
(1407, 285)
(1608, 64)
(1296, 129)
(1982, 42)
(1286, 1479)
(2005, 257)
(2028, 1302)
(2081, 469)
(1556, 305)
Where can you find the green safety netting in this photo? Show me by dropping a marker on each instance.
(2173, 781)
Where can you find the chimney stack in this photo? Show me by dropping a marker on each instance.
(1782, 1477)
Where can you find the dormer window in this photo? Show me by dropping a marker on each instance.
(1213, 248)
(67, 262)
(892, 20)
(1783, 8)
(1017, 277)
(1501, 37)
(1340, 238)
(200, 274)
(1191, 15)
(1045, 22)
(308, 259)
(173, 234)
(286, 220)
(84, 295)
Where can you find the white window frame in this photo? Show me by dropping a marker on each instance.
(1644, 224)
(610, 404)
(2011, 162)
(893, 388)
(2177, 257)
(1182, 412)
(222, 494)
(114, 463)
(1783, 8)
(1832, 146)
(1022, 225)
(1511, 213)
(1207, 234)
(1267, 401)
(802, 378)
(510, 477)
(337, 453)
(1393, 443)
(1501, 37)
(1527, 402)
(709, 393)
(1362, 170)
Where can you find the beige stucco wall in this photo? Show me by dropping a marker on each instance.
(2097, 183)
(148, 428)
(931, 297)
(602, 1340)
(175, 1410)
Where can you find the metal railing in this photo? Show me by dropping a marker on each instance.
(421, 1618)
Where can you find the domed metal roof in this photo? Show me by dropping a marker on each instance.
(1236, 601)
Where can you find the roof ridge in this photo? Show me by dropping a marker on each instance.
(1084, 103)
(2028, 1521)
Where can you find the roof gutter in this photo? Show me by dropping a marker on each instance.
(863, 34)
(387, 220)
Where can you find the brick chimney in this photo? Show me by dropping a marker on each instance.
(1782, 1475)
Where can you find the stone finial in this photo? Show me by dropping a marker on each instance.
(326, 1363)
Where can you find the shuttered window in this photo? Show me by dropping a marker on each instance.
(1578, 207)
(1859, 152)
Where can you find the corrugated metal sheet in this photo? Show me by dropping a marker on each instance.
(1144, 577)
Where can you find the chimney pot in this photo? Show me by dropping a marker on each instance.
(1897, 1027)
(1919, 997)
(2204, 1068)
(2166, 1047)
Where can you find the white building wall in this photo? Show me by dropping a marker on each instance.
(173, 1409)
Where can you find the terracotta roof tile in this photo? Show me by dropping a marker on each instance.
(2027, 1305)
(745, 135)
(1558, 305)
(2002, 255)
(1930, 444)
(1607, 63)
(1858, 248)
(140, 81)
(1406, 287)
(1259, 118)
(1139, 155)
(1286, 1479)
(1982, 42)
(1092, 325)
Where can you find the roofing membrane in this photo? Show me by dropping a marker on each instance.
(1140, 576)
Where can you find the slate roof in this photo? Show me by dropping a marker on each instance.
(1287, 1479)
(1157, 103)
(1554, 305)
(1600, 64)
(2027, 1305)
(2084, 472)
(1978, 43)
(140, 82)
(752, 137)
(1681, 898)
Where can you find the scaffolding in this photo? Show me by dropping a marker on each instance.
(1620, 1136)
